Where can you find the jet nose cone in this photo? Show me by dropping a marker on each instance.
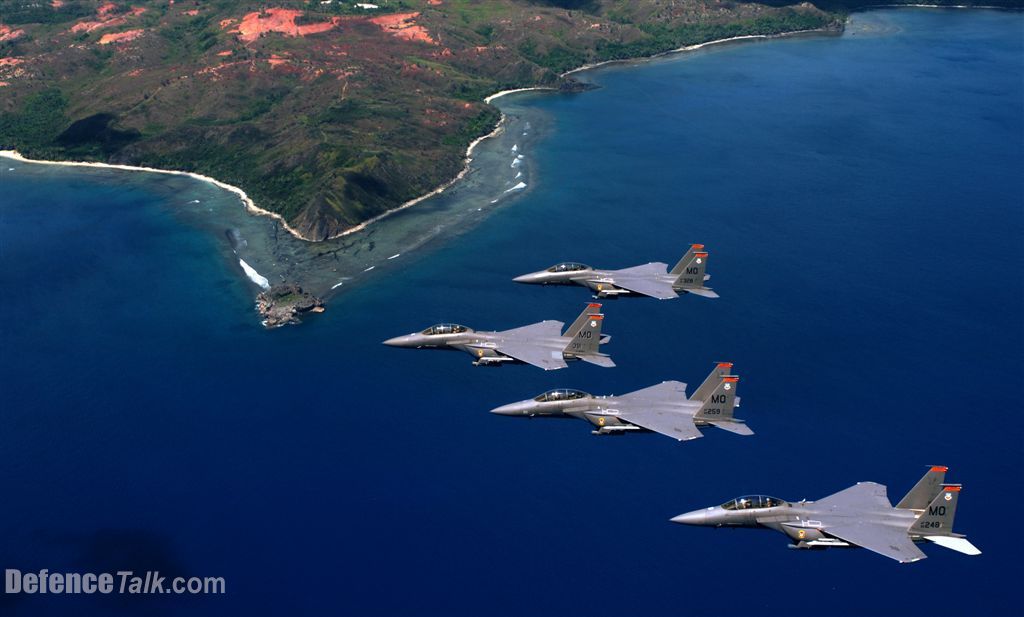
(533, 277)
(513, 409)
(400, 341)
(697, 517)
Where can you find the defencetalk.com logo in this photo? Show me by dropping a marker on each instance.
(121, 582)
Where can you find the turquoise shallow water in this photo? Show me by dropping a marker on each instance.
(863, 204)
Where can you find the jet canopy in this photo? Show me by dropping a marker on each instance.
(749, 502)
(568, 266)
(561, 395)
(446, 328)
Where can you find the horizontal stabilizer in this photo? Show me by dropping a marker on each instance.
(734, 427)
(697, 291)
(960, 545)
(600, 360)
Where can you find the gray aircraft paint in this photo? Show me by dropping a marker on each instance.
(541, 344)
(662, 408)
(652, 279)
(859, 516)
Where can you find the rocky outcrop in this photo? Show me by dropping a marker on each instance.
(282, 304)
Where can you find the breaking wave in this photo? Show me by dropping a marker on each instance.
(253, 275)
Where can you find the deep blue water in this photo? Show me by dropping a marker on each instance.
(863, 202)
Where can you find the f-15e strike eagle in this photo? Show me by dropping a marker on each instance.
(663, 408)
(647, 280)
(860, 516)
(542, 344)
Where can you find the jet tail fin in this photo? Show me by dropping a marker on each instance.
(687, 258)
(576, 326)
(937, 519)
(718, 406)
(926, 489)
(588, 339)
(721, 370)
(689, 272)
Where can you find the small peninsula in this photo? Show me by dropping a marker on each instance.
(283, 304)
(325, 113)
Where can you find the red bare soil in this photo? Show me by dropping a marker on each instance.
(6, 34)
(120, 37)
(403, 26)
(277, 20)
(106, 20)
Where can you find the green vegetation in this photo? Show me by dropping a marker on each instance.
(558, 59)
(17, 12)
(37, 125)
(482, 124)
(335, 117)
(662, 37)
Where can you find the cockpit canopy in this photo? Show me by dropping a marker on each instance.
(568, 266)
(446, 328)
(560, 395)
(749, 502)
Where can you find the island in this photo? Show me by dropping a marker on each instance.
(282, 304)
(325, 113)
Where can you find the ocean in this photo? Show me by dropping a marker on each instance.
(862, 201)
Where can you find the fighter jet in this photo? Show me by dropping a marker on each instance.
(860, 516)
(663, 408)
(542, 344)
(647, 280)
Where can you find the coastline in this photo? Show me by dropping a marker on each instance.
(871, 7)
(695, 47)
(250, 206)
(466, 160)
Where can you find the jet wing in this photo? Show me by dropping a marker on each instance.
(531, 353)
(651, 408)
(655, 268)
(672, 424)
(544, 329)
(892, 542)
(863, 496)
(644, 280)
(647, 286)
(666, 390)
